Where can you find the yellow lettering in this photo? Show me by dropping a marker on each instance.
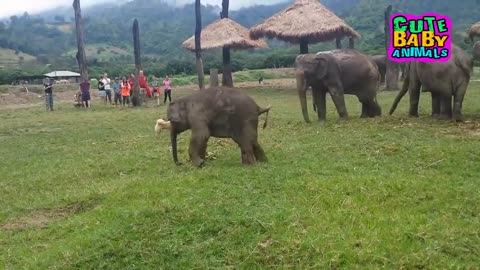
(428, 39)
(413, 40)
(441, 40)
(399, 39)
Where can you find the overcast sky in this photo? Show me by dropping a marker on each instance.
(14, 7)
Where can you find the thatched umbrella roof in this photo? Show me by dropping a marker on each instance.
(474, 31)
(224, 33)
(304, 21)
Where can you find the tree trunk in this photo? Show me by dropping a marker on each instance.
(338, 42)
(81, 57)
(198, 47)
(213, 77)
(136, 98)
(227, 79)
(351, 43)
(303, 46)
(392, 72)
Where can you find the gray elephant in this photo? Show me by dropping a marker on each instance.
(476, 50)
(381, 62)
(216, 112)
(338, 72)
(442, 80)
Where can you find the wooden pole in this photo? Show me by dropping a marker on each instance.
(136, 98)
(303, 46)
(198, 47)
(81, 57)
(227, 79)
(213, 77)
(351, 43)
(338, 42)
(392, 70)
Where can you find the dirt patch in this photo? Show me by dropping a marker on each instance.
(42, 217)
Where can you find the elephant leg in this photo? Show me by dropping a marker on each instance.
(259, 153)
(364, 110)
(446, 107)
(198, 142)
(458, 101)
(339, 101)
(203, 149)
(436, 100)
(321, 101)
(245, 143)
(414, 91)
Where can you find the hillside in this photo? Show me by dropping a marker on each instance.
(163, 28)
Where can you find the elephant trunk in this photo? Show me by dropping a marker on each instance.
(173, 137)
(404, 90)
(302, 94)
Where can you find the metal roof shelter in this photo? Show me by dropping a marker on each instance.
(57, 74)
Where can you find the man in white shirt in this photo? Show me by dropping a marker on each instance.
(108, 89)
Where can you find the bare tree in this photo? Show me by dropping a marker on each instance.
(391, 75)
(227, 79)
(198, 47)
(81, 57)
(136, 98)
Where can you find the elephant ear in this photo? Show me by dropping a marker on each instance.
(322, 66)
(174, 112)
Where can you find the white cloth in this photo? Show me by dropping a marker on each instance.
(106, 82)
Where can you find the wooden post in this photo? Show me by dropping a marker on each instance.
(136, 98)
(351, 43)
(213, 77)
(227, 79)
(338, 42)
(303, 46)
(198, 47)
(392, 72)
(81, 57)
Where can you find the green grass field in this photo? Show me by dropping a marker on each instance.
(97, 190)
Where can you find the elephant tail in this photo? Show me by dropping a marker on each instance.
(265, 110)
(402, 92)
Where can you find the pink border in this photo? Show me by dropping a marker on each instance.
(413, 17)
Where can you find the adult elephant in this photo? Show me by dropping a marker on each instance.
(476, 50)
(443, 80)
(338, 72)
(381, 62)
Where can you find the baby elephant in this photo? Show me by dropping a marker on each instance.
(217, 112)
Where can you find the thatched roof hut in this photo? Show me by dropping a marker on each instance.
(474, 31)
(304, 22)
(224, 33)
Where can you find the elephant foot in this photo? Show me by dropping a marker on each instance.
(415, 115)
(435, 115)
(178, 163)
(198, 163)
(458, 118)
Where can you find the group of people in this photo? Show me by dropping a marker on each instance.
(122, 90)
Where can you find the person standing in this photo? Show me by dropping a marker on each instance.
(117, 91)
(131, 81)
(48, 85)
(125, 86)
(142, 81)
(156, 90)
(108, 89)
(85, 89)
(167, 89)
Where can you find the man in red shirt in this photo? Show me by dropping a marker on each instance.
(142, 81)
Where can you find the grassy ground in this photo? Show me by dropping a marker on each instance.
(96, 189)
